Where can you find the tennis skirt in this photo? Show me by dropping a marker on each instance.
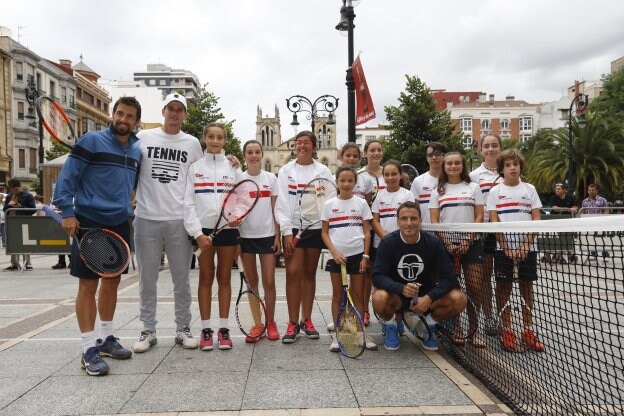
(262, 245)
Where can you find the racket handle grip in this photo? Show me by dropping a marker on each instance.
(52, 214)
(198, 252)
(295, 241)
(415, 299)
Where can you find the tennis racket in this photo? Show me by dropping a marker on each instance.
(375, 180)
(350, 332)
(513, 312)
(411, 171)
(237, 204)
(103, 251)
(311, 202)
(56, 122)
(416, 323)
(250, 310)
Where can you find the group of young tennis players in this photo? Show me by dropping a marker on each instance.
(353, 224)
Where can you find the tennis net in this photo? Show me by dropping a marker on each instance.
(553, 345)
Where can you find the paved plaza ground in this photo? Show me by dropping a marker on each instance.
(40, 353)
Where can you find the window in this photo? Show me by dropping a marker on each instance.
(525, 138)
(485, 124)
(504, 124)
(466, 125)
(467, 141)
(63, 94)
(19, 71)
(162, 82)
(151, 82)
(20, 110)
(21, 160)
(267, 166)
(526, 123)
(33, 160)
(52, 91)
(38, 81)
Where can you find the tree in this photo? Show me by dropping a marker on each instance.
(610, 103)
(204, 109)
(56, 150)
(415, 122)
(598, 156)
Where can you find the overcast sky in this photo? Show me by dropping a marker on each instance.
(259, 52)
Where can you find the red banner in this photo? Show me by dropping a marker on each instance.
(365, 110)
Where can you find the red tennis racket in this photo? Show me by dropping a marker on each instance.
(55, 121)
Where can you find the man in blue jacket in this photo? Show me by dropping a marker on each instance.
(407, 263)
(94, 191)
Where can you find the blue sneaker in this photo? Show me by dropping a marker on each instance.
(112, 348)
(401, 327)
(391, 341)
(432, 343)
(92, 363)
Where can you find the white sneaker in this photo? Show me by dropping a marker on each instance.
(334, 346)
(370, 345)
(185, 338)
(145, 342)
(331, 327)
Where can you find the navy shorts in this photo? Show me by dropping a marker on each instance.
(503, 267)
(263, 245)
(78, 268)
(310, 239)
(226, 237)
(489, 243)
(353, 265)
(474, 255)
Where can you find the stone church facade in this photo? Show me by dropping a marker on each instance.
(279, 150)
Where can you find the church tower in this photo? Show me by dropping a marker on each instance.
(268, 130)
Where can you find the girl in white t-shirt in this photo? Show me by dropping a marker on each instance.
(457, 200)
(260, 236)
(487, 177)
(346, 233)
(388, 200)
(366, 185)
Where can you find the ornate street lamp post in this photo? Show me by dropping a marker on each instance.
(300, 104)
(32, 93)
(346, 25)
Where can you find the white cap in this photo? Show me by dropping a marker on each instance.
(175, 97)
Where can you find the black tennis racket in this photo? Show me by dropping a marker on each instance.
(103, 251)
(416, 323)
(55, 121)
(411, 171)
(237, 204)
(250, 310)
(463, 330)
(311, 202)
(350, 331)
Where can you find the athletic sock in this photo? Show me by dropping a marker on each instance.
(88, 340)
(106, 329)
(430, 320)
(224, 323)
(391, 321)
(206, 323)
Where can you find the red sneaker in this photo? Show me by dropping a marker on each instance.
(508, 340)
(255, 334)
(205, 339)
(225, 342)
(308, 329)
(366, 318)
(272, 332)
(530, 339)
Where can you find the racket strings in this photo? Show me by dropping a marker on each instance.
(55, 121)
(251, 315)
(240, 200)
(350, 333)
(104, 253)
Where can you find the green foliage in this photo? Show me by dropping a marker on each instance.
(416, 122)
(598, 155)
(56, 150)
(204, 109)
(610, 103)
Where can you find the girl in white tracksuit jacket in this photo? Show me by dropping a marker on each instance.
(207, 182)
